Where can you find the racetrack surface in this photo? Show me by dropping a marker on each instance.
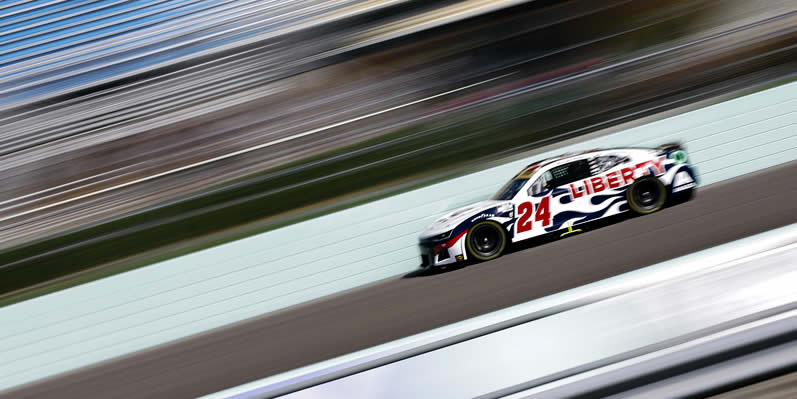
(399, 307)
(781, 387)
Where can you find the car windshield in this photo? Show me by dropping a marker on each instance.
(510, 189)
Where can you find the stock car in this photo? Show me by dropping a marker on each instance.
(556, 194)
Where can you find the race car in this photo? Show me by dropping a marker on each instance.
(554, 195)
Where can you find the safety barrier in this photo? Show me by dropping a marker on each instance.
(270, 271)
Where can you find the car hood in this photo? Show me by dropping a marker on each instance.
(453, 219)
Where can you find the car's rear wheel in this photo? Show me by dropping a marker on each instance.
(486, 240)
(646, 195)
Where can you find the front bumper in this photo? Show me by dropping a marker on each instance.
(443, 253)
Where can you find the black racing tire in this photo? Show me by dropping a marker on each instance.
(486, 240)
(646, 195)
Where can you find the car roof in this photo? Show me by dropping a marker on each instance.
(547, 161)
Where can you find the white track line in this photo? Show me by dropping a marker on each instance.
(230, 155)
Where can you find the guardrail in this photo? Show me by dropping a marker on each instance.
(601, 337)
(267, 272)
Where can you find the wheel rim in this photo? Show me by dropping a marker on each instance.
(647, 195)
(485, 240)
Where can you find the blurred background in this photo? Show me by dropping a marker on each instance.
(131, 126)
(137, 131)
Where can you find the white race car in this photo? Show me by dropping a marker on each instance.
(556, 194)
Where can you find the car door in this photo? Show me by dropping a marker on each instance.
(592, 189)
(548, 200)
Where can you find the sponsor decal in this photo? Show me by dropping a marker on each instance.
(678, 156)
(482, 216)
(616, 179)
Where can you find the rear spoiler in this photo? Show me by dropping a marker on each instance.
(670, 147)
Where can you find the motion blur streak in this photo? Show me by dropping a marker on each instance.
(158, 133)
(225, 156)
(135, 131)
(400, 307)
(184, 29)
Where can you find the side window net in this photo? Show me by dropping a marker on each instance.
(568, 173)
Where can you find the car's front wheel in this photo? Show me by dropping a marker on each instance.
(486, 240)
(646, 195)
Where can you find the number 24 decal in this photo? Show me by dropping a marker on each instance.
(543, 214)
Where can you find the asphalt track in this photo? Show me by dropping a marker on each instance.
(782, 387)
(399, 307)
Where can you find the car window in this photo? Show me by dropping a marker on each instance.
(601, 164)
(538, 186)
(568, 173)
